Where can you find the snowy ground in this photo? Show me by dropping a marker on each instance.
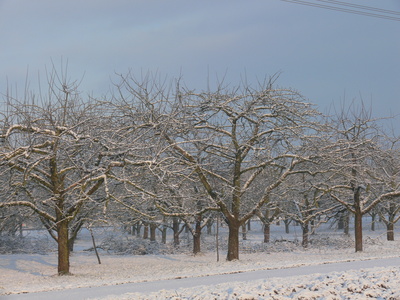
(28, 273)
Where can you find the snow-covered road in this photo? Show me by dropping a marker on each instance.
(114, 291)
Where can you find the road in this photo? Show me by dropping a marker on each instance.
(173, 284)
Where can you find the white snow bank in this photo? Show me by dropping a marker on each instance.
(377, 283)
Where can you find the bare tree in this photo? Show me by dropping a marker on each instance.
(227, 138)
(389, 177)
(305, 204)
(356, 177)
(51, 148)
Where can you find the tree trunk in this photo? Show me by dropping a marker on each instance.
(346, 229)
(249, 225)
(138, 228)
(305, 229)
(267, 232)
(73, 234)
(390, 231)
(390, 223)
(196, 243)
(63, 248)
(71, 244)
(358, 221)
(373, 216)
(340, 224)
(358, 231)
(287, 223)
(233, 241)
(146, 231)
(133, 229)
(164, 234)
(175, 229)
(313, 227)
(197, 237)
(153, 228)
(244, 232)
(209, 226)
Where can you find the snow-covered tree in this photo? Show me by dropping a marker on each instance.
(357, 178)
(228, 138)
(51, 150)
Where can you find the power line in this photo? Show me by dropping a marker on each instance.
(352, 11)
(362, 7)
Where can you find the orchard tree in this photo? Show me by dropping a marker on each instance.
(305, 204)
(357, 179)
(187, 202)
(52, 153)
(227, 138)
(389, 177)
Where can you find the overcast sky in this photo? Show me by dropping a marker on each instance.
(328, 56)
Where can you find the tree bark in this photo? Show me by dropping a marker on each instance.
(63, 249)
(146, 231)
(373, 217)
(341, 222)
(175, 229)
(390, 231)
(197, 236)
(209, 226)
(358, 234)
(346, 229)
(305, 229)
(358, 231)
(244, 232)
(233, 241)
(267, 232)
(196, 243)
(287, 223)
(153, 228)
(164, 234)
(138, 228)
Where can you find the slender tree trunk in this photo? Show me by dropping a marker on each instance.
(249, 225)
(63, 248)
(133, 229)
(146, 231)
(197, 236)
(71, 244)
(373, 216)
(94, 246)
(233, 240)
(342, 220)
(244, 232)
(346, 229)
(390, 223)
(175, 229)
(73, 234)
(287, 223)
(267, 232)
(313, 227)
(164, 234)
(358, 221)
(358, 231)
(209, 226)
(390, 231)
(138, 228)
(217, 238)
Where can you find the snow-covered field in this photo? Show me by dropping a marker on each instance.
(27, 273)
